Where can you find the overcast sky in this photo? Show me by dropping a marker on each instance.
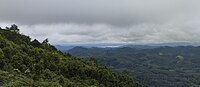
(105, 21)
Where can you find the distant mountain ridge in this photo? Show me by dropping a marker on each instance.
(143, 46)
(165, 66)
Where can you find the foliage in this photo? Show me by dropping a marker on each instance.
(158, 67)
(30, 63)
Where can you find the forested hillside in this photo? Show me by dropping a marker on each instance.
(26, 62)
(158, 67)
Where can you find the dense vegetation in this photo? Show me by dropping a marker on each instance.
(157, 67)
(30, 63)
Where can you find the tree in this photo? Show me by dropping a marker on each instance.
(93, 60)
(45, 41)
(45, 44)
(67, 54)
(14, 28)
(7, 28)
(2, 60)
(35, 43)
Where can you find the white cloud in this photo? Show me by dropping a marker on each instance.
(101, 33)
(105, 21)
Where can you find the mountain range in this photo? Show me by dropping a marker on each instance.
(65, 47)
(165, 66)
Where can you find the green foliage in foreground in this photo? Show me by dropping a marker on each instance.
(30, 63)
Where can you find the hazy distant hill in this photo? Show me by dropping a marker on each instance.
(107, 45)
(158, 67)
(70, 46)
(151, 46)
(64, 48)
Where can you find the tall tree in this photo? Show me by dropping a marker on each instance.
(45, 41)
(35, 43)
(14, 28)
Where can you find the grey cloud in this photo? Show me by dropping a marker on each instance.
(113, 12)
(141, 33)
(105, 21)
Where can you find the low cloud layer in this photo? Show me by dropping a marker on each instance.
(105, 21)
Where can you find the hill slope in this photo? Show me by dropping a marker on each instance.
(159, 67)
(30, 63)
